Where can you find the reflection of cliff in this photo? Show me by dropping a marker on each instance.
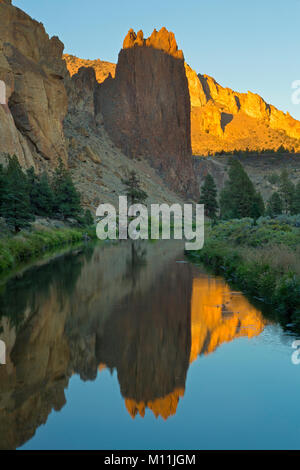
(219, 315)
(49, 318)
(147, 340)
(33, 311)
(164, 407)
(129, 308)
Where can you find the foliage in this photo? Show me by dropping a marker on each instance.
(296, 201)
(24, 195)
(26, 246)
(274, 205)
(264, 231)
(274, 178)
(239, 198)
(260, 258)
(15, 207)
(133, 189)
(208, 197)
(286, 191)
(40, 193)
(66, 196)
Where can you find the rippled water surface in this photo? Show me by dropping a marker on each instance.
(129, 346)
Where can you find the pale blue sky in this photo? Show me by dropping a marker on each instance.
(245, 45)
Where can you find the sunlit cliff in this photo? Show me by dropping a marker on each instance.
(219, 315)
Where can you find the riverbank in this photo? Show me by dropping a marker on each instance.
(261, 259)
(22, 248)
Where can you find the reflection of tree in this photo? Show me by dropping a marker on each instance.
(21, 291)
(39, 365)
(136, 260)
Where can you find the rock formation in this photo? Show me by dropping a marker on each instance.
(32, 69)
(105, 120)
(218, 316)
(146, 108)
(102, 69)
(222, 119)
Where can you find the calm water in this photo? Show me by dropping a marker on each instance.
(129, 346)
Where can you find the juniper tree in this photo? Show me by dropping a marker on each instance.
(88, 218)
(274, 205)
(41, 194)
(286, 191)
(208, 197)
(239, 198)
(66, 196)
(296, 202)
(133, 189)
(2, 187)
(15, 199)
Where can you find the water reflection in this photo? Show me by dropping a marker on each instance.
(219, 315)
(126, 307)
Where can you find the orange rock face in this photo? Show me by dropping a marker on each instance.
(219, 315)
(102, 69)
(222, 119)
(162, 40)
(164, 407)
(146, 108)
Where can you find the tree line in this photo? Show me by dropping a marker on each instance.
(247, 152)
(25, 195)
(239, 198)
(287, 199)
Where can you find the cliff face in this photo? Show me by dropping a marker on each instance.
(144, 114)
(222, 119)
(146, 108)
(97, 165)
(102, 69)
(49, 113)
(36, 102)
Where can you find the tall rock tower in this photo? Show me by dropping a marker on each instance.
(146, 107)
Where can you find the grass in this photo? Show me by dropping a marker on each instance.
(260, 259)
(25, 246)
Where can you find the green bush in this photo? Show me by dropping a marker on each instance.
(23, 247)
(247, 254)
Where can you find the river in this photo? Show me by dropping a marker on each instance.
(130, 346)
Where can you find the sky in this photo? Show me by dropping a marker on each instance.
(245, 45)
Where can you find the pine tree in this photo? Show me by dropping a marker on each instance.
(2, 187)
(16, 202)
(274, 206)
(208, 197)
(239, 198)
(88, 218)
(258, 206)
(133, 189)
(66, 196)
(41, 194)
(46, 196)
(286, 191)
(296, 202)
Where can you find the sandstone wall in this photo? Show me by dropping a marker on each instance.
(146, 108)
(32, 69)
(222, 119)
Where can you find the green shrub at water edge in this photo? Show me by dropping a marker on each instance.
(258, 276)
(21, 248)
